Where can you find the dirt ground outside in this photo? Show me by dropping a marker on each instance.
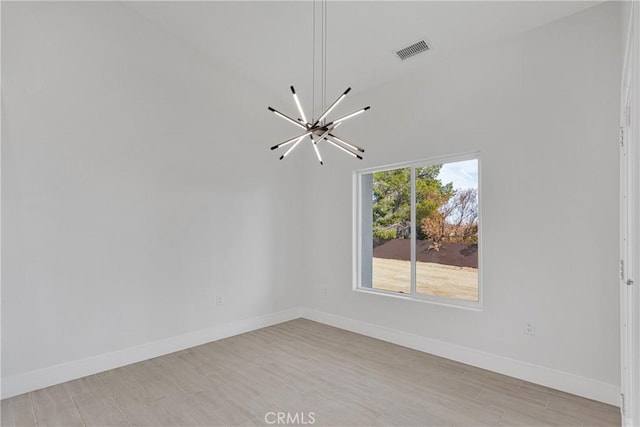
(461, 254)
(431, 278)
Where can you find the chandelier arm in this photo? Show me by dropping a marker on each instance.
(351, 153)
(315, 147)
(292, 147)
(289, 141)
(348, 144)
(335, 143)
(300, 110)
(287, 118)
(332, 106)
(348, 116)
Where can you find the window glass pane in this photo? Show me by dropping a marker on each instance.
(447, 230)
(391, 230)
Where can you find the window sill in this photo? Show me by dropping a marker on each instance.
(429, 299)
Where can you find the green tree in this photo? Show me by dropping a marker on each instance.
(392, 200)
(392, 203)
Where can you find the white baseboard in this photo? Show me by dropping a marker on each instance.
(559, 380)
(34, 380)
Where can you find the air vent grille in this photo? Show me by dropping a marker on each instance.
(412, 50)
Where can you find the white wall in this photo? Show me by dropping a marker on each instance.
(542, 108)
(134, 189)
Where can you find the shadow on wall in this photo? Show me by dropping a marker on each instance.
(460, 254)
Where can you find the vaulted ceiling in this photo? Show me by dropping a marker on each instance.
(271, 43)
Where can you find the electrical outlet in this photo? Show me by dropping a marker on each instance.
(219, 300)
(529, 327)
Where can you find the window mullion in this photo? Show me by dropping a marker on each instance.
(413, 230)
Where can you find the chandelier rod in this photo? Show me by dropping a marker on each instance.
(324, 54)
(323, 58)
(313, 65)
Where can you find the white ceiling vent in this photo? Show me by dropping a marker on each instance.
(412, 50)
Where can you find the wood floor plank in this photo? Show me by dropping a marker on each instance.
(302, 367)
(589, 411)
(508, 399)
(88, 385)
(54, 406)
(491, 381)
(98, 410)
(18, 411)
(154, 382)
(136, 403)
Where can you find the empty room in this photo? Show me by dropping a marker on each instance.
(320, 212)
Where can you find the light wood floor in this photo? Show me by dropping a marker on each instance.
(301, 366)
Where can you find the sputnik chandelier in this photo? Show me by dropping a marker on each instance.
(319, 130)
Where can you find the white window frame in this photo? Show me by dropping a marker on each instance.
(357, 233)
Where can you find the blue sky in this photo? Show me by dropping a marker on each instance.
(463, 174)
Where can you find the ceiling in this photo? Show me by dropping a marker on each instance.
(271, 42)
